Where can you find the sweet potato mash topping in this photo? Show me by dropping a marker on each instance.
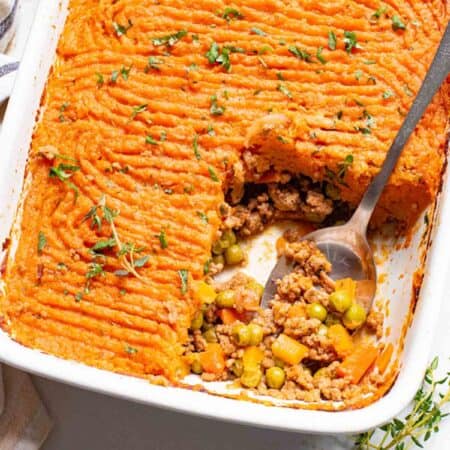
(150, 111)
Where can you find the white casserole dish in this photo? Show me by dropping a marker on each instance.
(398, 269)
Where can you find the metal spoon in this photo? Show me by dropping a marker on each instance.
(346, 246)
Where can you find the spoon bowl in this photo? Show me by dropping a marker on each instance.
(349, 254)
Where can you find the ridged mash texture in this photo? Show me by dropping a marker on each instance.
(103, 99)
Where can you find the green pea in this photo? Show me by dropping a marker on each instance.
(237, 368)
(234, 254)
(256, 334)
(275, 377)
(340, 300)
(197, 321)
(354, 317)
(251, 377)
(226, 299)
(256, 287)
(196, 367)
(218, 259)
(210, 335)
(316, 311)
(217, 248)
(228, 238)
(241, 335)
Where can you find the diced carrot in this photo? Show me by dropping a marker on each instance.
(356, 364)
(280, 245)
(384, 358)
(289, 350)
(213, 359)
(252, 357)
(228, 315)
(340, 339)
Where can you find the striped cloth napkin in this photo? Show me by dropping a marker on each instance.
(24, 421)
(8, 65)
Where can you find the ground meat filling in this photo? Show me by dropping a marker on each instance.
(295, 198)
(302, 347)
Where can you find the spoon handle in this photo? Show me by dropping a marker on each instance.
(437, 73)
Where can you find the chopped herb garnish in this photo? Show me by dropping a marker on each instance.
(114, 76)
(163, 136)
(63, 172)
(61, 266)
(100, 79)
(363, 130)
(234, 49)
(206, 266)
(122, 291)
(170, 40)
(339, 114)
(265, 49)
(280, 76)
(257, 31)
(42, 242)
(192, 67)
(62, 108)
(369, 62)
(195, 147)
(137, 110)
(78, 297)
(350, 41)
(359, 74)
(203, 216)
(231, 13)
(163, 239)
(213, 174)
(150, 140)
(213, 53)
(332, 40)
(284, 90)
(397, 23)
(379, 12)
(120, 30)
(319, 55)
(131, 350)
(300, 54)
(183, 274)
(387, 94)
(210, 130)
(222, 57)
(215, 109)
(103, 245)
(124, 71)
(95, 270)
(282, 139)
(343, 167)
(141, 262)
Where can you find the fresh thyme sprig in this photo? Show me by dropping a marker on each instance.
(418, 426)
(126, 252)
